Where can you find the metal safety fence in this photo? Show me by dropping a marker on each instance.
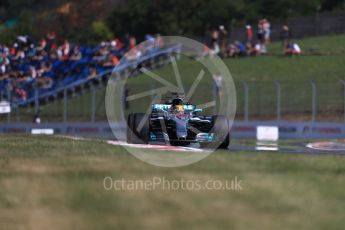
(256, 100)
(291, 100)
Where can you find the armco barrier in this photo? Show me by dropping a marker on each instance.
(291, 130)
(240, 129)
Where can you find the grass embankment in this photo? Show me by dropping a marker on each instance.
(57, 183)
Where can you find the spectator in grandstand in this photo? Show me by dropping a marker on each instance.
(150, 41)
(223, 40)
(46, 67)
(5, 50)
(118, 43)
(292, 49)
(2, 67)
(241, 49)
(44, 82)
(159, 41)
(19, 56)
(266, 26)
(21, 93)
(285, 35)
(129, 42)
(53, 55)
(65, 49)
(32, 72)
(205, 52)
(76, 54)
(256, 50)
(59, 53)
(126, 42)
(236, 49)
(92, 72)
(231, 52)
(249, 34)
(51, 41)
(22, 76)
(133, 54)
(39, 55)
(3, 76)
(253, 49)
(97, 57)
(31, 52)
(115, 46)
(42, 44)
(101, 53)
(153, 42)
(25, 64)
(132, 42)
(260, 32)
(104, 49)
(263, 34)
(13, 49)
(23, 41)
(214, 45)
(4, 63)
(111, 60)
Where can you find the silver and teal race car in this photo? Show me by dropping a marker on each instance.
(177, 122)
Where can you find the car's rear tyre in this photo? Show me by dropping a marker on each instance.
(221, 130)
(138, 129)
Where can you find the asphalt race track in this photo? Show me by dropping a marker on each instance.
(310, 148)
(325, 147)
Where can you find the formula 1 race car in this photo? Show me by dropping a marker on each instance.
(177, 122)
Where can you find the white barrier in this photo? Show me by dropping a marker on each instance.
(267, 137)
(5, 107)
(267, 133)
(42, 131)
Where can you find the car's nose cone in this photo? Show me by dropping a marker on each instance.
(181, 129)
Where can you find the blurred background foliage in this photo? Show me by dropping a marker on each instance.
(88, 21)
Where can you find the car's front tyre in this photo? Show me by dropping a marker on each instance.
(138, 128)
(220, 127)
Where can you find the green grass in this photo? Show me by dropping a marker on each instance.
(57, 183)
(280, 68)
(334, 44)
(322, 62)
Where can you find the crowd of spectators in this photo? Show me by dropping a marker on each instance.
(251, 46)
(25, 64)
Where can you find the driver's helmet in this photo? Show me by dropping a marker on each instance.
(179, 108)
(177, 105)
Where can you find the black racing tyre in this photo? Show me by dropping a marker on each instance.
(225, 143)
(221, 130)
(140, 136)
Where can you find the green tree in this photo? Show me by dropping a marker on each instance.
(193, 17)
(100, 30)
